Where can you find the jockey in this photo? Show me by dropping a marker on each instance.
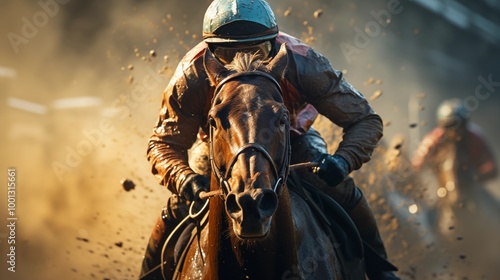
(310, 87)
(456, 137)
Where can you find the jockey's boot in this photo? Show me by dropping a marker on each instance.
(170, 216)
(377, 267)
(152, 257)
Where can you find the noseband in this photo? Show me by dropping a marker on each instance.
(281, 174)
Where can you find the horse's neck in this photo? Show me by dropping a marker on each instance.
(278, 253)
(267, 259)
(257, 261)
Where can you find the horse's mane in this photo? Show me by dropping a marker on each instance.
(245, 62)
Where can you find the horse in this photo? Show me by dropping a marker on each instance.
(257, 227)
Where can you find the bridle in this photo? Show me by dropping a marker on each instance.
(281, 172)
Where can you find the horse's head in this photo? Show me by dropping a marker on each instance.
(249, 139)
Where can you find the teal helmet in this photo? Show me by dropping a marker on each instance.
(239, 21)
(452, 113)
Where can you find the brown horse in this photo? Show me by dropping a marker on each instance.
(257, 228)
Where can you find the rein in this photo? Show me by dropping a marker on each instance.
(205, 195)
(281, 173)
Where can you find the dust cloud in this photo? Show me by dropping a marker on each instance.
(81, 83)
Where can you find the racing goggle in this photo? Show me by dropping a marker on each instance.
(226, 53)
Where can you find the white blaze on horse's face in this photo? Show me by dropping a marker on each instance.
(249, 134)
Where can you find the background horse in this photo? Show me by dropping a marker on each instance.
(257, 228)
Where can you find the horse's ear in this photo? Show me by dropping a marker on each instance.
(213, 67)
(278, 64)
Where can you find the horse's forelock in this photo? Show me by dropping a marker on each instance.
(245, 62)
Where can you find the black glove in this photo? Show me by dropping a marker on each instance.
(192, 186)
(332, 169)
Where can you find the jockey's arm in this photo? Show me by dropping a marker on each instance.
(481, 154)
(326, 89)
(179, 120)
(168, 163)
(427, 147)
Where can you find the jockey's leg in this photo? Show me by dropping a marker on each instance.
(353, 201)
(309, 146)
(171, 215)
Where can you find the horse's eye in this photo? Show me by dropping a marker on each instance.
(212, 122)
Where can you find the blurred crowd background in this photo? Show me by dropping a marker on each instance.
(80, 90)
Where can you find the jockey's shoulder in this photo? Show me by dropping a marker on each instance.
(476, 133)
(193, 55)
(475, 129)
(191, 63)
(293, 44)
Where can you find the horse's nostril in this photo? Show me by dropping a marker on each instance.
(231, 204)
(268, 203)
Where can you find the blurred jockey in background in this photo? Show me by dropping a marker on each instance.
(457, 144)
(457, 152)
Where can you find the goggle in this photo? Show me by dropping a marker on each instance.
(226, 53)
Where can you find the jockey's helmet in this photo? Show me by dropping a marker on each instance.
(232, 26)
(452, 113)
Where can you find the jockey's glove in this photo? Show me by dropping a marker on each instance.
(192, 185)
(332, 169)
